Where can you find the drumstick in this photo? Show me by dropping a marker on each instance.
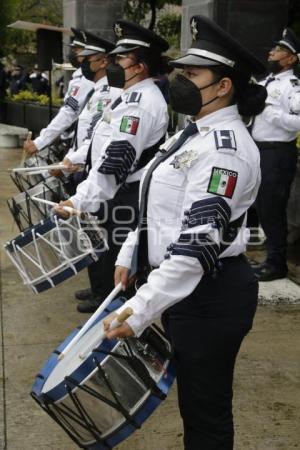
(24, 154)
(92, 319)
(115, 323)
(68, 209)
(38, 168)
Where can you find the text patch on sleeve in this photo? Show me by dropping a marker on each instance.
(222, 182)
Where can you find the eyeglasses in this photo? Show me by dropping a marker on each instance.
(123, 56)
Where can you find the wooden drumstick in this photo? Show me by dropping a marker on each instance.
(115, 323)
(24, 154)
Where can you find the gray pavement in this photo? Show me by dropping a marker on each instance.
(267, 383)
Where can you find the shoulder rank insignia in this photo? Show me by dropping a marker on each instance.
(105, 88)
(225, 140)
(184, 159)
(134, 97)
(294, 81)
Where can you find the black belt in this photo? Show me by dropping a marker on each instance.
(265, 145)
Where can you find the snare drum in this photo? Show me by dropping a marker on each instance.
(55, 249)
(44, 157)
(27, 212)
(102, 399)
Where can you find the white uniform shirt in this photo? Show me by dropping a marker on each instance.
(138, 122)
(280, 120)
(78, 89)
(92, 113)
(211, 180)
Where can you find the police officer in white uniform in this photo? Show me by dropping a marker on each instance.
(78, 90)
(194, 200)
(93, 68)
(275, 132)
(125, 139)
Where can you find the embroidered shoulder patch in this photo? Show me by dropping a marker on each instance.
(105, 88)
(222, 182)
(134, 97)
(225, 140)
(73, 91)
(129, 124)
(103, 104)
(294, 82)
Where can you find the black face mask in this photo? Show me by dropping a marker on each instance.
(86, 70)
(72, 57)
(116, 75)
(185, 96)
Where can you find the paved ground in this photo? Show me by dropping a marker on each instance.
(267, 382)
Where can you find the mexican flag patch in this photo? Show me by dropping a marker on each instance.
(222, 182)
(129, 124)
(103, 104)
(73, 91)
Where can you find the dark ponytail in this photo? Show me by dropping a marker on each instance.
(249, 97)
(156, 62)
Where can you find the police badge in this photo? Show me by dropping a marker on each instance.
(184, 160)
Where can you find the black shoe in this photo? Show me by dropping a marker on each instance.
(89, 306)
(270, 273)
(84, 294)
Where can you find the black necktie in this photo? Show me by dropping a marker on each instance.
(140, 255)
(269, 80)
(88, 164)
(116, 103)
(74, 142)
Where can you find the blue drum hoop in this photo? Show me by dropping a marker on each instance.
(43, 227)
(81, 373)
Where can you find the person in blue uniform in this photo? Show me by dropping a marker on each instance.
(275, 131)
(194, 200)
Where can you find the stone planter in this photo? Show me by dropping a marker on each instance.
(28, 115)
(15, 113)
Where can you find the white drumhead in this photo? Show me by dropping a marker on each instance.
(72, 360)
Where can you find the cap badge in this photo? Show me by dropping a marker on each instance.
(118, 30)
(84, 36)
(194, 30)
(284, 33)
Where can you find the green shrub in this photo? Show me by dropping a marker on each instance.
(29, 96)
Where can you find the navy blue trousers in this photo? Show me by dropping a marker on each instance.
(278, 166)
(206, 330)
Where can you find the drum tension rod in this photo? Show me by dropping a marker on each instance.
(55, 416)
(85, 417)
(91, 391)
(118, 406)
(139, 368)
